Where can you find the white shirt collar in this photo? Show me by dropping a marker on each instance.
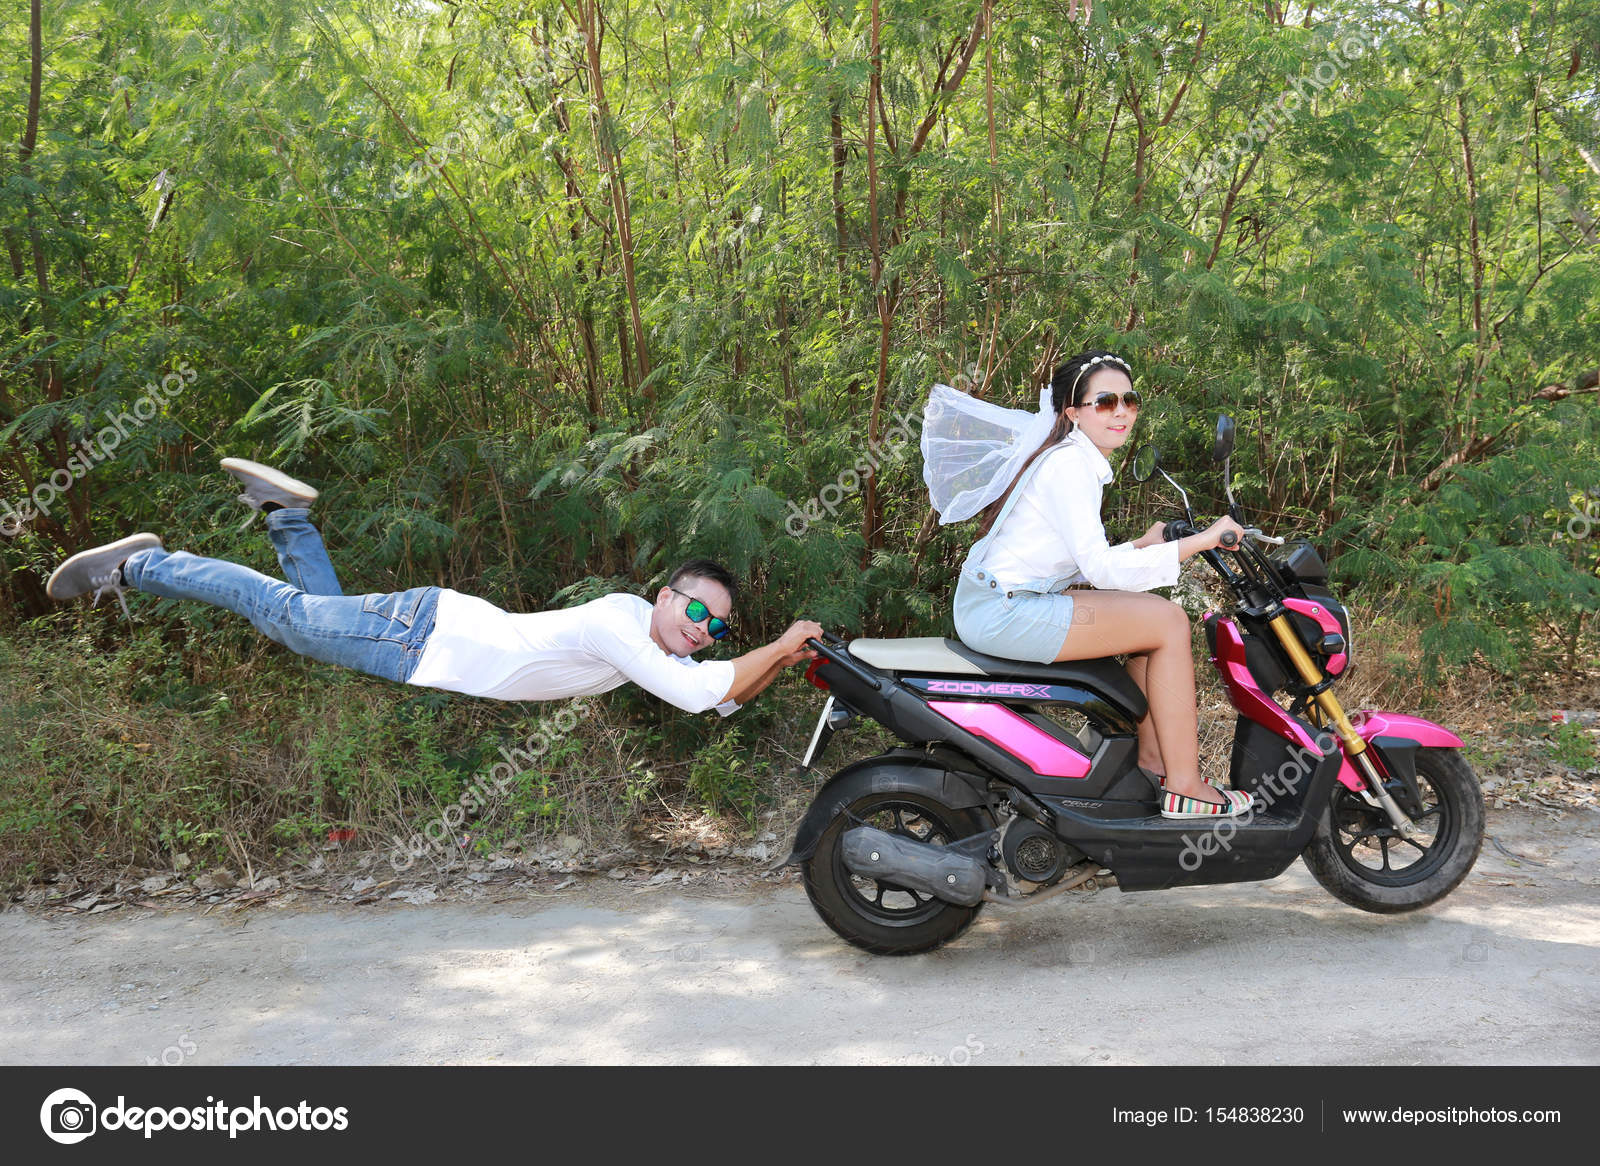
(1097, 459)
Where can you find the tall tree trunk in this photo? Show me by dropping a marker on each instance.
(944, 89)
(836, 134)
(583, 309)
(52, 446)
(870, 534)
(610, 159)
(1475, 251)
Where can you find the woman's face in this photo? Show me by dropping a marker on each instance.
(1108, 429)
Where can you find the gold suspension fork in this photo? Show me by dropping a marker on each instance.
(1354, 746)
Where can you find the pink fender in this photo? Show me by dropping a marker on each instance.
(1370, 723)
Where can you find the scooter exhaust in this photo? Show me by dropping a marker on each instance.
(918, 866)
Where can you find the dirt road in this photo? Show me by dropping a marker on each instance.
(1507, 970)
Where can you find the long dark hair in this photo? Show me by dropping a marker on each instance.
(1067, 385)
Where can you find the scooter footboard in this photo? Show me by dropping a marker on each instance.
(1292, 785)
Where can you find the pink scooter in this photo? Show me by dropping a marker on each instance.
(1018, 781)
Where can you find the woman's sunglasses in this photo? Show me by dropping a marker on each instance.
(1107, 402)
(698, 612)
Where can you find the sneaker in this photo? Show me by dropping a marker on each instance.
(97, 570)
(1174, 805)
(265, 484)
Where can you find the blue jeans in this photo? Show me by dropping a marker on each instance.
(383, 635)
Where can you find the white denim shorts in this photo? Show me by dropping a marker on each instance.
(1017, 625)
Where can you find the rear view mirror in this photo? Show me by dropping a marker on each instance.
(1145, 460)
(1224, 443)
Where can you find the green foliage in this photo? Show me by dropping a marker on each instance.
(722, 777)
(1573, 745)
(1494, 556)
(536, 346)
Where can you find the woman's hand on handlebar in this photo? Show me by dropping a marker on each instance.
(1208, 539)
(1213, 535)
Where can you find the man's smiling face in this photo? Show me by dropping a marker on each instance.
(670, 625)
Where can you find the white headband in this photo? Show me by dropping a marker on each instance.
(1072, 396)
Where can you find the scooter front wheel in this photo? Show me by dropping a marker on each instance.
(883, 918)
(1359, 857)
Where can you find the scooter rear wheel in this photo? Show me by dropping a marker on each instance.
(883, 918)
(1359, 857)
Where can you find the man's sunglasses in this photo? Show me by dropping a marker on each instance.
(698, 612)
(1107, 402)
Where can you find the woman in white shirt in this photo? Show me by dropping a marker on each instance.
(1044, 534)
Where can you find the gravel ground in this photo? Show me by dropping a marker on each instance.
(738, 970)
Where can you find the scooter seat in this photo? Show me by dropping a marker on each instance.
(931, 654)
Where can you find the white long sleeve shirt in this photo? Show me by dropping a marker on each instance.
(478, 649)
(1054, 532)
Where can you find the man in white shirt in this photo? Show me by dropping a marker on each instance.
(438, 638)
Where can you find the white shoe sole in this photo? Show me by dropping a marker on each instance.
(64, 579)
(248, 471)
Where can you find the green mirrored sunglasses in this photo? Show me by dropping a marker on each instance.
(699, 612)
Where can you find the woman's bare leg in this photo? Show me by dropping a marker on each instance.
(1149, 747)
(1108, 623)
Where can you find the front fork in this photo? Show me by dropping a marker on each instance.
(1355, 748)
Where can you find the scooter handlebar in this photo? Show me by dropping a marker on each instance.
(1183, 528)
(837, 651)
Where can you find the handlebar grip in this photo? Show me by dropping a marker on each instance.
(1229, 539)
(830, 647)
(1176, 529)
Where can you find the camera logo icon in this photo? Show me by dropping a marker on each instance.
(68, 1116)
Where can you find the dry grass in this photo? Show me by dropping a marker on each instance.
(119, 760)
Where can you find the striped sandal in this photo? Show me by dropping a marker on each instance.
(1174, 805)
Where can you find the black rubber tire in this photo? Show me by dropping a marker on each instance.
(1452, 804)
(833, 890)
